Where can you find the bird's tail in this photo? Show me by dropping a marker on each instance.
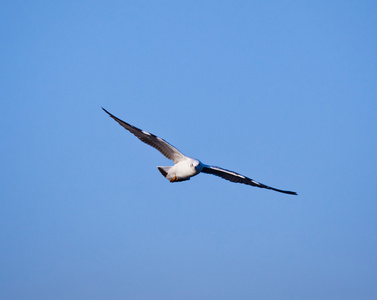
(171, 177)
(164, 171)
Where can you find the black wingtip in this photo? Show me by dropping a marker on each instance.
(280, 191)
(292, 193)
(110, 114)
(286, 192)
(105, 110)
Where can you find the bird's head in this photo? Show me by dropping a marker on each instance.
(197, 165)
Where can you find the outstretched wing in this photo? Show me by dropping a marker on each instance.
(161, 145)
(235, 177)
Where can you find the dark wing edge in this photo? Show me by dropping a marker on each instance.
(150, 139)
(235, 177)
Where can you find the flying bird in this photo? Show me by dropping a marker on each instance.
(186, 167)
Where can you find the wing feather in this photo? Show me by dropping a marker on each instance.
(156, 142)
(235, 177)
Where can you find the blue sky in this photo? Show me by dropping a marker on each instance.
(281, 91)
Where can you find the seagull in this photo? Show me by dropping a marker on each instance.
(186, 167)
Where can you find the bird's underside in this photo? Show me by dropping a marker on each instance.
(185, 167)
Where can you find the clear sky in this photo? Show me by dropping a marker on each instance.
(281, 91)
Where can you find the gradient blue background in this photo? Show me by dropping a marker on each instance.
(281, 91)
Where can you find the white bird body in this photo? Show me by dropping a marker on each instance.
(182, 170)
(186, 167)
